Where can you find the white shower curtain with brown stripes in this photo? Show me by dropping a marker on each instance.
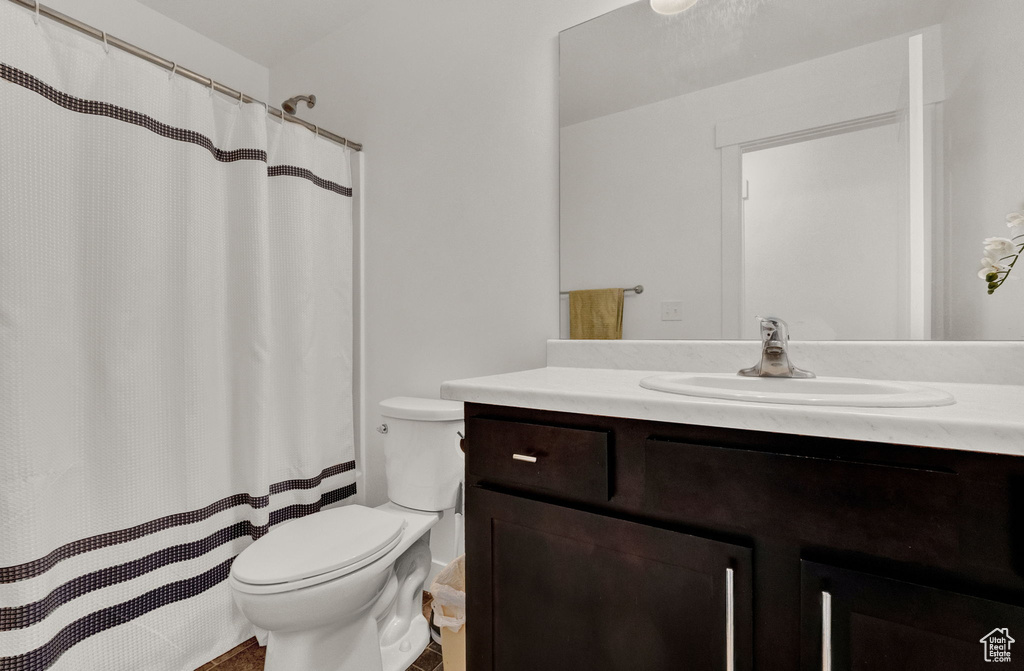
(175, 349)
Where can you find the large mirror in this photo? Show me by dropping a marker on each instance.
(835, 163)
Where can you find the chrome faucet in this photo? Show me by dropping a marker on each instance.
(774, 352)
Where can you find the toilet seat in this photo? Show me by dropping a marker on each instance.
(316, 548)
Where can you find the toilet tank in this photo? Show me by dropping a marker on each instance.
(422, 459)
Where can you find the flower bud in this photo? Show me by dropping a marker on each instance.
(991, 277)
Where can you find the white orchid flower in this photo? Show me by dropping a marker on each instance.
(989, 266)
(997, 248)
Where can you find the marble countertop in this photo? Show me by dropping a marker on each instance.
(985, 418)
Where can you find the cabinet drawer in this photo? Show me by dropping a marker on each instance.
(894, 511)
(572, 463)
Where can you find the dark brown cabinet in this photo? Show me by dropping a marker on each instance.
(618, 544)
(568, 589)
(854, 620)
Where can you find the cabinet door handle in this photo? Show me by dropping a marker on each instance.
(524, 457)
(730, 622)
(826, 631)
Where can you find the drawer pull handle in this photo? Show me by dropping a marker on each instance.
(730, 622)
(826, 631)
(524, 457)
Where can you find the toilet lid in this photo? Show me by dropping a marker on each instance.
(323, 542)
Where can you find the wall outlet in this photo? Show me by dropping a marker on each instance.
(671, 311)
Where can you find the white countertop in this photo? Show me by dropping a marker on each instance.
(985, 418)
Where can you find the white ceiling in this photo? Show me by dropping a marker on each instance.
(266, 31)
(633, 56)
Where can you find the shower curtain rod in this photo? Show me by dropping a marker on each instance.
(175, 68)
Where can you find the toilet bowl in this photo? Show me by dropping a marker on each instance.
(341, 589)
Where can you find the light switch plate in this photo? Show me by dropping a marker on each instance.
(671, 311)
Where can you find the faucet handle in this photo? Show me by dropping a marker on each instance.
(771, 326)
(774, 352)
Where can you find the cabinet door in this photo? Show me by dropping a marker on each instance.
(862, 622)
(556, 588)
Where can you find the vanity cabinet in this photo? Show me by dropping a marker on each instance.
(570, 589)
(608, 543)
(853, 620)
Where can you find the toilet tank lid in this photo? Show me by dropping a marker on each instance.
(422, 409)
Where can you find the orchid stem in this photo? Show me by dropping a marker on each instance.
(1006, 273)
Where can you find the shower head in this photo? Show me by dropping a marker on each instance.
(289, 105)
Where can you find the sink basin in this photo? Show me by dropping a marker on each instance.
(840, 391)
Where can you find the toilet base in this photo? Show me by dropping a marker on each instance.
(404, 632)
(325, 649)
(400, 655)
(310, 655)
(387, 634)
(363, 650)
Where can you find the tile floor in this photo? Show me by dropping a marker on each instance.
(249, 656)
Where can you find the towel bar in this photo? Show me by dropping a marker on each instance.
(637, 289)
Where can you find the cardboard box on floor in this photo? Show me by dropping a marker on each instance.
(453, 648)
(449, 590)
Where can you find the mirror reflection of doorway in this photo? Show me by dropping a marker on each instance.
(824, 225)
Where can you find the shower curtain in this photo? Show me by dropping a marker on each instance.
(175, 349)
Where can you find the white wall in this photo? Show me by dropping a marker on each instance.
(984, 62)
(154, 32)
(641, 204)
(456, 102)
(822, 227)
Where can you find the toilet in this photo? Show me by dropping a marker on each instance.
(341, 589)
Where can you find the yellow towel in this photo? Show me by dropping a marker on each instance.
(595, 314)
